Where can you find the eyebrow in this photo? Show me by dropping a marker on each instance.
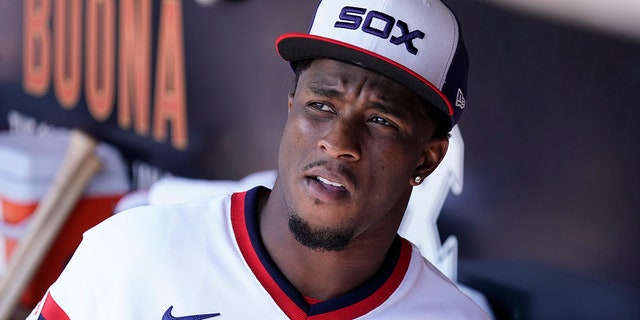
(401, 113)
(323, 89)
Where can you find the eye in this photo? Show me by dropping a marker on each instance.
(321, 106)
(381, 120)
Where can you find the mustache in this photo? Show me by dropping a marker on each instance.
(341, 168)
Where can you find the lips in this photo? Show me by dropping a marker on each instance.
(325, 190)
(329, 185)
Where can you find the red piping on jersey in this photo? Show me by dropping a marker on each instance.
(244, 242)
(380, 296)
(51, 310)
(290, 308)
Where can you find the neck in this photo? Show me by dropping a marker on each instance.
(323, 274)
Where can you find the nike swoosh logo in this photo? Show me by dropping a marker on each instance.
(167, 316)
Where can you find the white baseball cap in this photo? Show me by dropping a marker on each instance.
(417, 43)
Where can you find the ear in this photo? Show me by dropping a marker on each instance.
(433, 153)
(290, 101)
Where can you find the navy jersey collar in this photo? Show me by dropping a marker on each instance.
(360, 301)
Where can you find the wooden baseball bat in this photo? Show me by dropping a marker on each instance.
(79, 166)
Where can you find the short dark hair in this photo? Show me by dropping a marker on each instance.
(440, 119)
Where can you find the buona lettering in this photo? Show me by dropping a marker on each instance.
(54, 45)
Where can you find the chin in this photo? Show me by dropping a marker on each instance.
(319, 238)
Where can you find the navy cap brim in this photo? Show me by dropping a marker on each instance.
(299, 46)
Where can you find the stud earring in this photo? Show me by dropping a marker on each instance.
(417, 179)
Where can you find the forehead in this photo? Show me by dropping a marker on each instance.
(329, 74)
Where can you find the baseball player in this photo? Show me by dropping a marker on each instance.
(379, 84)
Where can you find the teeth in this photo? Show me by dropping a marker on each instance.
(331, 183)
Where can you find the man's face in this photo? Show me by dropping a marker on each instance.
(352, 143)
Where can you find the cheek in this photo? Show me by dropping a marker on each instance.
(295, 133)
(393, 163)
(296, 138)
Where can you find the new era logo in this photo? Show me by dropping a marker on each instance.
(460, 101)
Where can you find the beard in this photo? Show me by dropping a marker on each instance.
(319, 239)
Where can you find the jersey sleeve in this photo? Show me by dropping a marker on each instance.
(73, 294)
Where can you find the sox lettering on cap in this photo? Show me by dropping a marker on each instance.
(417, 43)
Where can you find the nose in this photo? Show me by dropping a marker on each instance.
(342, 140)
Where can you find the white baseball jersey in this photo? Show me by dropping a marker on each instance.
(196, 261)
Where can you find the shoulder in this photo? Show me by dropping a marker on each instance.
(159, 218)
(141, 251)
(150, 229)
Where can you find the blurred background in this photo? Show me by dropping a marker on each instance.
(549, 215)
